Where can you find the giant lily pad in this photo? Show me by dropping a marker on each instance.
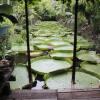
(94, 68)
(43, 32)
(64, 48)
(44, 47)
(56, 43)
(63, 80)
(21, 77)
(84, 45)
(55, 39)
(70, 38)
(88, 56)
(21, 48)
(60, 55)
(35, 42)
(49, 65)
(36, 53)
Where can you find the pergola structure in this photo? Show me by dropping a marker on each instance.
(75, 42)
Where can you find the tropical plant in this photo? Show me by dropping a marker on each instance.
(5, 12)
(45, 9)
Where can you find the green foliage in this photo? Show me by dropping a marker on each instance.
(96, 17)
(45, 9)
(5, 11)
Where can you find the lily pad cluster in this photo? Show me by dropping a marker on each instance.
(57, 42)
(52, 55)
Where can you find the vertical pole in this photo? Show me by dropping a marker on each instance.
(75, 44)
(28, 44)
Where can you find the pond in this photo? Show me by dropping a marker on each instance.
(51, 58)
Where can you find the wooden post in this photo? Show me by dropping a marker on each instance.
(75, 44)
(28, 44)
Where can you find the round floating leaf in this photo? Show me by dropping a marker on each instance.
(35, 53)
(55, 39)
(43, 32)
(64, 48)
(88, 56)
(60, 55)
(35, 42)
(80, 39)
(56, 43)
(84, 45)
(49, 65)
(63, 80)
(21, 48)
(44, 47)
(21, 77)
(94, 68)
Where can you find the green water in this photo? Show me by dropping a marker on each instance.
(21, 77)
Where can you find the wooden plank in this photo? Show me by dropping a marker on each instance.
(34, 94)
(79, 99)
(35, 99)
(87, 99)
(80, 95)
(94, 99)
(78, 90)
(39, 99)
(64, 96)
(54, 95)
(86, 94)
(5, 98)
(94, 94)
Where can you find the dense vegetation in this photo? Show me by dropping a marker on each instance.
(51, 41)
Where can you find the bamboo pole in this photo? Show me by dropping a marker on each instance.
(28, 44)
(75, 44)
